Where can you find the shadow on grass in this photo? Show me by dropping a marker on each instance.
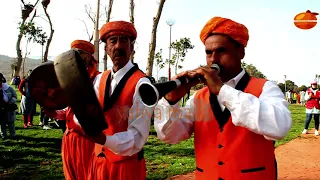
(164, 160)
(30, 158)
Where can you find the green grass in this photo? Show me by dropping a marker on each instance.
(35, 154)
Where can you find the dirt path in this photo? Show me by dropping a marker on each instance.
(297, 160)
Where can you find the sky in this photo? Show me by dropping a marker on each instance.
(276, 47)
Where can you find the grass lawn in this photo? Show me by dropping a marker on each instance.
(35, 154)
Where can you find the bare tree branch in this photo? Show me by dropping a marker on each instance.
(108, 16)
(40, 16)
(90, 36)
(34, 15)
(90, 13)
(46, 53)
(109, 10)
(131, 12)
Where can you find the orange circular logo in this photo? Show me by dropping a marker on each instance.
(306, 20)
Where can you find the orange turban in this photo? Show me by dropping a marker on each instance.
(117, 28)
(220, 25)
(83, 45)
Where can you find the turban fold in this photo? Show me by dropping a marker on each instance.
(118, 28)
(83, 45)
(314, 83)
(219, 25)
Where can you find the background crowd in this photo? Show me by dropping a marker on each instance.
(27, 108)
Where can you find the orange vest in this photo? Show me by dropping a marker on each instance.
(117, 116)
(227, 151)
(70, 124)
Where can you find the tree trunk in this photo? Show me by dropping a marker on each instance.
(19, 58)
(105, 57)
(177, 61)
(153, 43)
(24, 60)
(45, 57)
(131, 13)
(18, 49)
(22, 67)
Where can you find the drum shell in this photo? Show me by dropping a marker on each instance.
(74, 79)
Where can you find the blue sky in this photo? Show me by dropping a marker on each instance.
(276, 47)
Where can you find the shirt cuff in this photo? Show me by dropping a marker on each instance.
(111, 143)
(226, 95)
(165, 102)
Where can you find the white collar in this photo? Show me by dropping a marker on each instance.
(117, 76)
(234, 81)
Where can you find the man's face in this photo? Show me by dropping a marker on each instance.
(226, 53)
(119, 49)
(314, 86)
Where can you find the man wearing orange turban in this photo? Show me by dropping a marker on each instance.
(235, 119)
(119, 151)
(86, 50)
(76, 149)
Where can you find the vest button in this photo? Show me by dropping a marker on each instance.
(220, 146)
(220, 179)
(221, 129)
(221, 163)
(102, 149)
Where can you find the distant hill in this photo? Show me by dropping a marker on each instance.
(6, 61)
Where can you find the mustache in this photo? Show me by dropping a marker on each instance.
(120, 52)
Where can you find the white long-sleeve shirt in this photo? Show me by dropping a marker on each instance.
(131, 141)
(267, 115)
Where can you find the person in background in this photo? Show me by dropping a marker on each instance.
(312, 97)
(44, 120)
(8, 107)
(302, 99)
(294, 97)
(27, 104)
(59, 117)
(18, 80)
(289, 96)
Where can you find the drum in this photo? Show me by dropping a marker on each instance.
(45, 89)
(78, 89)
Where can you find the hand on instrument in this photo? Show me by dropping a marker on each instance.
(179, 92)
(210, 78)
(99, 139)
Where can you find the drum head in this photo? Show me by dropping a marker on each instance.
(45, 89)
(74, 79)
